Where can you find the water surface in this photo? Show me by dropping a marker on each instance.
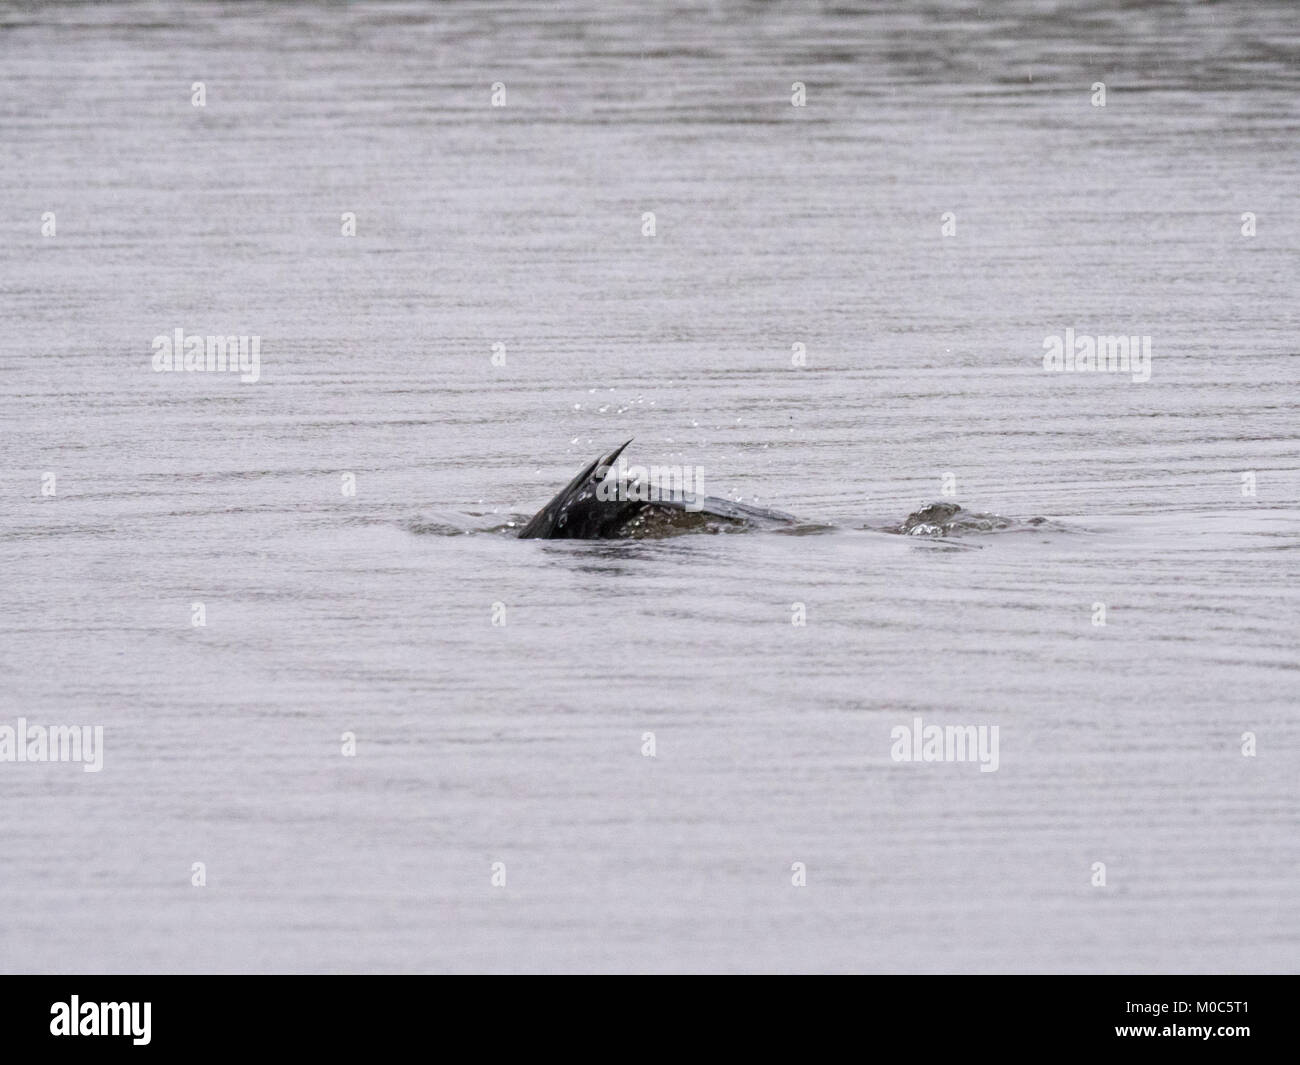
(521, 743)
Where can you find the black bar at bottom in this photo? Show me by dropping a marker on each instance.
(338, 1015)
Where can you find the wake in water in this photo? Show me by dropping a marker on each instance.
(602, 503)
(948, 519)
(938, 521)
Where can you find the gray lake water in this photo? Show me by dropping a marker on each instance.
(775, 225)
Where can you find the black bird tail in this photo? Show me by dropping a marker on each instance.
(549, 522)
